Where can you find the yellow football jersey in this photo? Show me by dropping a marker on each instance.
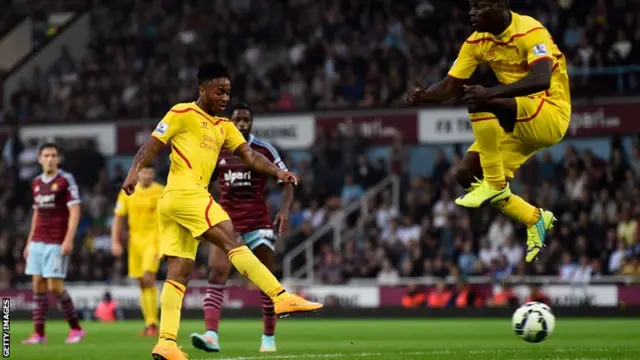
(196, 141)
(511, 54)
(141, 209)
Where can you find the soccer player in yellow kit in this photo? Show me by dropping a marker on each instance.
(141, 211)
(530, 111)
(188, 213)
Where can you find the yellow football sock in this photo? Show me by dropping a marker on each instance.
(519, 210)
(143, 306)
(249, 265)
(151, 304)
(487, 132)
(170, 305)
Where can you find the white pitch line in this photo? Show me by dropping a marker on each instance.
(322, 356)
(407, 354)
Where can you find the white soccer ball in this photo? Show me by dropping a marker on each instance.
(533, 322)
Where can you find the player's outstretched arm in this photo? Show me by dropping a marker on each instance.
(261, 164)
(441, 91)
(144, 155)
(538, 79)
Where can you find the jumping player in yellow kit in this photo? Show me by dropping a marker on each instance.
(187, 212)
(140, 209)
(529, 111)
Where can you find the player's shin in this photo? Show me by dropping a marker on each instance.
(149, 305)
(152, 304)
(40, 313)
(268, 315)
(519, 210)
(144, 306)
(65, 303)
(213, 306)
(171, 306)
(487, 132)
(249, 265)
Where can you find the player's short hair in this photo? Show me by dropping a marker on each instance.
(242, 106)
(149, 166)
(49, 145)
(210, 71)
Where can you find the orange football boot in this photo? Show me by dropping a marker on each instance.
(168, 352)
(287, 304)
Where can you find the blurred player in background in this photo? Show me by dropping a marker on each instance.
(141, 209)
(243, 198)
(56, 213)
(188, 213)
(529, 111)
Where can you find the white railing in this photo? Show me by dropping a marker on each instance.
(335, 226)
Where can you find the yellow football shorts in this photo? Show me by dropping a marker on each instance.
(184, 215)
(143, 255)
(540, 124)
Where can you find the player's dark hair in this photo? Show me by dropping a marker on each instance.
(49, 145)
(210, 71)
(149, 166)
(242, 106)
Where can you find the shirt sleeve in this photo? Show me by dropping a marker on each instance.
(273, 155)
(538, 45)
(466, 63)
(232, 136)
(168, 127)
(122, 207)
(72, 193)
(34, 204)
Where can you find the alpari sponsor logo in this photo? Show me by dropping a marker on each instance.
(237, 178)
(45, 201)
(587, 120)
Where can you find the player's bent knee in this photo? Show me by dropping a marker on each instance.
(223, 236)
(39, 284)
(148, 280)
(55, 286)
(179, 269)
(219, 275)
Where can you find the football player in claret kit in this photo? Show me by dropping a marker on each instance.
(56, 213)
(529, 111)
(141, 211)
(187, 212)
(243, 197)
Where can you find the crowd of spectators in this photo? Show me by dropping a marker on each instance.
(597, 203)
(300, 54)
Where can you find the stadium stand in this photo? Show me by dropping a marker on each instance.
(304, 55)
(598, 204)
(142, 58)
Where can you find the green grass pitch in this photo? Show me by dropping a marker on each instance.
(477, 339)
